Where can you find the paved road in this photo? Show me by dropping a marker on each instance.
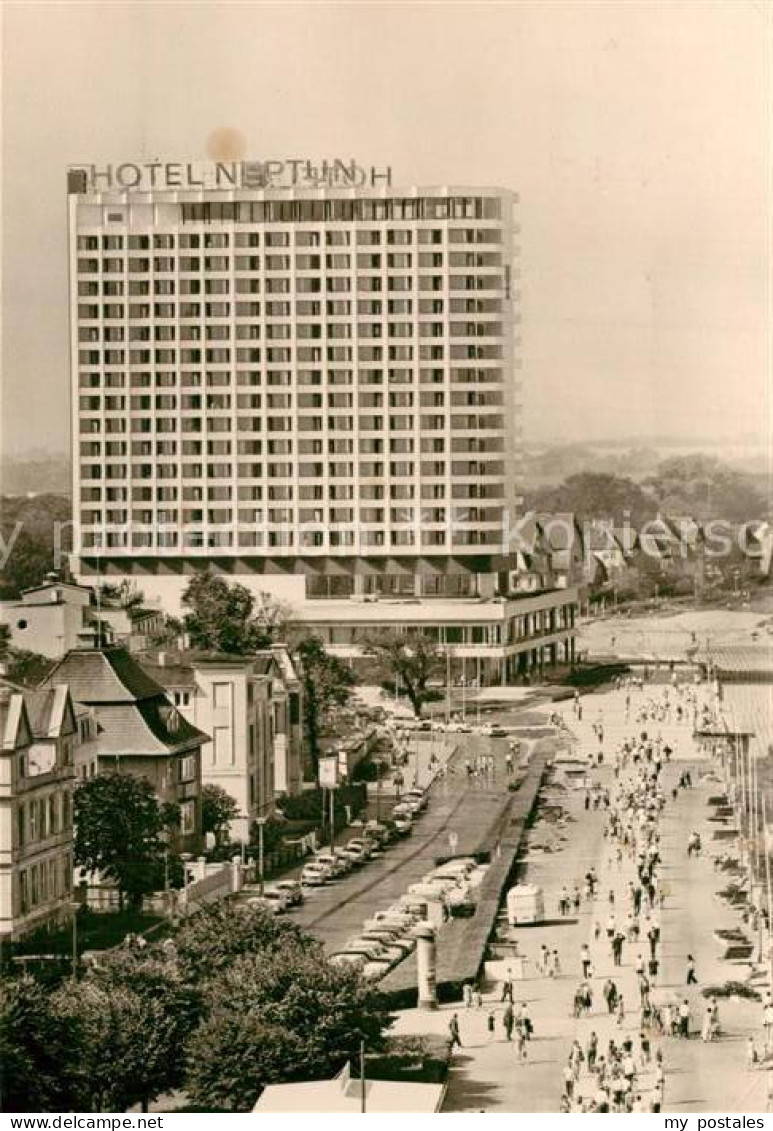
(337, 911)
(699, 1076)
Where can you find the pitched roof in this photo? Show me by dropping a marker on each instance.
(146, 728)
(135, 717)
(171, 675)
(103, 675)
(15, 731)
(560, 531)
(50, 711)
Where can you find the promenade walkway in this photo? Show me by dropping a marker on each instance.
(486, 1075)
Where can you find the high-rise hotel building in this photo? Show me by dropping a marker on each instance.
(313, 390)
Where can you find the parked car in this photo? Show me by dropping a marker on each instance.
(259, 902)
(293, 889)
(280, 898)
(391, 939)
(337, 865)
(362, 843)
(382, 920)
(403, 824)
(378, 829)
(367, 948)
(315, 875)
(416, 796)
(371, 969)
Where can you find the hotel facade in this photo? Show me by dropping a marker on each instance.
(311, 388)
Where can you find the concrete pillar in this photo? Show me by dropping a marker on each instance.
(237, 877)
(426, 961)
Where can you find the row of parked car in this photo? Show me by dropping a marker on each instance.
(326, 866)
(390, 936)
(376, 837)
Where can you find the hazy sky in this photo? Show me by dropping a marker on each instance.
(635, 133)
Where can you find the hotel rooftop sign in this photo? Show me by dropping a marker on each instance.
(290, 173)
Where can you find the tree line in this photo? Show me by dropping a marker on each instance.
(230, 1002)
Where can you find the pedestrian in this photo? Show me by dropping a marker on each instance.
(467, 995)
(508, 1020)
(453, 1032)
(684, 1019)
(752, 1056)
(555, 965)
(646, 1048)
(692, 977)
(477, 997)
(767, 1022)
(520, 1043)
(568, 1082)
(620, 1012)
(591, 1051)
(585, 961)
(507, 989)
(707, 1027)
(491, 1022)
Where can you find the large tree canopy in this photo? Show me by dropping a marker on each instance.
(327, 685)
(591, 495)
(119, 827)
(410, 657)
(227, 617)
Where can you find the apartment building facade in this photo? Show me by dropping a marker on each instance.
(229, 698)
(38, 743)
(315, 390)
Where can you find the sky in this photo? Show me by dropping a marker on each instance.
(635, 133)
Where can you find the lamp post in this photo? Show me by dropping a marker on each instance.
(260, 822)
(75, 908)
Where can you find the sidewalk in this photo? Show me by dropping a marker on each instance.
(486, 1075)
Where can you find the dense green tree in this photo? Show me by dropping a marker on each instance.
(704, 487)
(28, 668)
(125, 595)
(210, 941)
(327, 686)
(36, 534)
(119, 832)
(133, 1014)
(295, 1017)
(592, 495)
(218, 809)
(410, 657)
(227, 617)
(35, 1050)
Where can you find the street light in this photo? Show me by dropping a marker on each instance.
(260, 822)
(75, 908)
